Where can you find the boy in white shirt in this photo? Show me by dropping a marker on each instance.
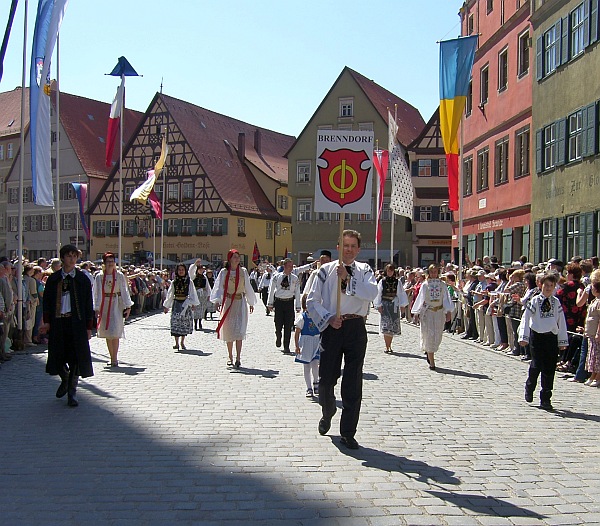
(544, 328)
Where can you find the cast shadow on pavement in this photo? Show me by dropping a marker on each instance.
(268, 373)
(565, 413)
(126, 370)
(483, 505)
(91, 388)
(193, 352)
(454, 372)
(415, 469)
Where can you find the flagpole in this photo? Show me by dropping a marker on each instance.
(57, 200)
(377, 218)
(21, 179)
(338, 309)
(393, 218)
(162, 219)
(460, 200)
(121, 123)
(77, 217)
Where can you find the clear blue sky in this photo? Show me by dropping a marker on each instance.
(266, 62)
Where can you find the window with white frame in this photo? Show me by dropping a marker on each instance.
(172, 226)
(346, 107)
(424, 167)
(269, 230)
(185, 256)
(445, 214)
(365, 126)
(187, 191)
(283, 202)
(578, 16)
(113, 229)
(548, 239)
(469, 101)
(241, 223)
(100, 227)
(503, 69)
(13, 195)
(304, 210)
(203, 225)
(549, 138)
(35, 223)
(344, 127)
(424, 213)
(367, 217)
(67, 221)
(3, 222)
(522, 152)
(572, 236)
(158, 188)
(27, 194)
(386, 211)
(1, 152)
(128, 190)
(218, 225)
(488, 242)
(322, 216)
(26, 223)
(277, 228)
(13, 224)
(186, 228)
(129, 227)
(523, 55)
(484, 84)
(303, 172)
(551, 49)
(470, 25)
(575, 136)
(501, 161)
(490, 6)
(9, 150)
(173, 191)
(216, 259)
(442, 167)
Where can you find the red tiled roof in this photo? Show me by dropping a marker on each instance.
(410, 122)
(10, 111)
(214, 140)
(85, 122)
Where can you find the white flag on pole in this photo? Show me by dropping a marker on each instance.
(401, 202)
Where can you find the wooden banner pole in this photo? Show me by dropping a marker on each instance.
(341, 262)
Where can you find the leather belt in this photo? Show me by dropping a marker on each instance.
(284, 299)
(351, 316)
(237, 296)
(66, 315)
(435, 309)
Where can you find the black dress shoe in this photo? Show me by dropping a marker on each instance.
(528, 396)
(349, 442)
(72, 401)
(324, 425)
(62, 389)
(546, 406)
(278, 342)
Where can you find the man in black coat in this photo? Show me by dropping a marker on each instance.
(68, 318)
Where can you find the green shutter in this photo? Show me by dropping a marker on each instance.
(414, 167)
(560, 239)
(539, 59)
(590, 235)
(416, 214)
(594, 21)
(582, 236)
(225, 221)
(539, 166)
(435, 213)
(564, 46)
(589, 130)
(537, 241)
(435, 167)
(561, 130)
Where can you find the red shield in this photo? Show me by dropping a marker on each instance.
(343, 181)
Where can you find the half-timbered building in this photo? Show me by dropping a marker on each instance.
(432, 220)
(224, 185)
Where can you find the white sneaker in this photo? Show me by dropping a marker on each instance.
(309, 393)
(595, 383)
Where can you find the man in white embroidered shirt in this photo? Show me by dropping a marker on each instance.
(344, 336)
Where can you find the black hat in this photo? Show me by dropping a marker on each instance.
(326, 253)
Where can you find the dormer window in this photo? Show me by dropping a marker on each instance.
(347, 107)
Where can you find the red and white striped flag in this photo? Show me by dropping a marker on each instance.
(401, 201)
(381, 161)
(116, 111)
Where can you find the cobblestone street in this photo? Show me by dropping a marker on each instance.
(178, 438)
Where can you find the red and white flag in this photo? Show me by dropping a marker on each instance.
(381, 161)
(116, 111)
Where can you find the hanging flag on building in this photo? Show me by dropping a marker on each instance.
(142, 192)
(47, 25)
(344, 162)
(81, 191)
(256, 254)
(381, 162)
(401, 200)
(456, 64)
(11, 17)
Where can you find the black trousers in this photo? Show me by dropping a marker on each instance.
(544, 356)
(284, 319)
(502, 329)
(349, 342)
(472, 330)
(264, 295)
